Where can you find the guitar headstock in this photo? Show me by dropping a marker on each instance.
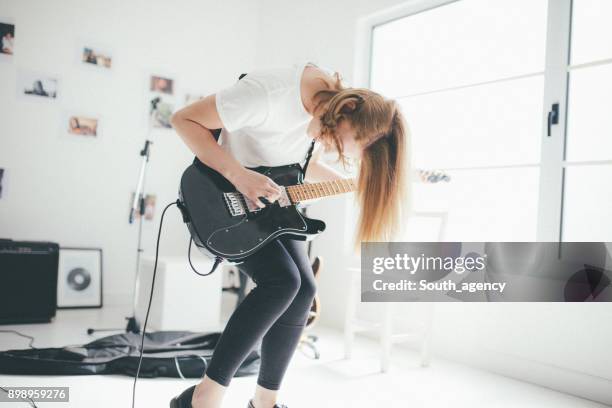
(432, 176)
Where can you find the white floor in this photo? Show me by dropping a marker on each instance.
(328, 382)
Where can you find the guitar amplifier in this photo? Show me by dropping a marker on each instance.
(28, 281)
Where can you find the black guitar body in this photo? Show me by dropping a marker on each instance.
(219, 233)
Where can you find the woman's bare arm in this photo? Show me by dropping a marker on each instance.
(319, 171)
(193, 124)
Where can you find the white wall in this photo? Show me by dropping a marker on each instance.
(76, 192)
(562, 346)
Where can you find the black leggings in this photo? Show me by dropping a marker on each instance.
(275, 311)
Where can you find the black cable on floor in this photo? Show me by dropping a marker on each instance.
(28, 400)
(22, 335)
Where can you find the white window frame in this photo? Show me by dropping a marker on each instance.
(556, 78)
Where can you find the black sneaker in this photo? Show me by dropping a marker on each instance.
(183, 400)
(275, 405)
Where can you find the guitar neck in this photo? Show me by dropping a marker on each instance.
(310, 191)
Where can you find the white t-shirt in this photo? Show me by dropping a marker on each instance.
(264, 120)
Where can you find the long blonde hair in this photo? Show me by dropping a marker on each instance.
(382, 133)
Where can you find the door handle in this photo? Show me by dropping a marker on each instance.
(553, 117)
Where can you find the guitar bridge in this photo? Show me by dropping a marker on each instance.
(234, 203)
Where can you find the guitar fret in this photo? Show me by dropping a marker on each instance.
(310, 191)
(297, 192)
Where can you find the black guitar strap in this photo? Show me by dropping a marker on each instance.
(308, 156)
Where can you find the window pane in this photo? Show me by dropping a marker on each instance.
(587, 206)
(485, 204)
(461, 43)
(488, 125)
(591, 30)
(589, 132)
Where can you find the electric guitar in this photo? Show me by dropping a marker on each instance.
(225, 224)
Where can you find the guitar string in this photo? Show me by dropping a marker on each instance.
(308, 191)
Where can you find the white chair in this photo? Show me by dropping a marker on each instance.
(421, 333)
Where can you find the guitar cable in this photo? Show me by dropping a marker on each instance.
(144, 327)
(218, 260)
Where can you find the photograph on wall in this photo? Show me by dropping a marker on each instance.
(161, 85)
(97, 57)
(37, 85)
(7, 38)
(1, 181)
(79, 281)
(149, 206)
(160, 111)
(82, 126)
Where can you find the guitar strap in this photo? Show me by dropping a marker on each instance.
(308, 156)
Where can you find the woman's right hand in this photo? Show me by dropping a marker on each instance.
(254, 185)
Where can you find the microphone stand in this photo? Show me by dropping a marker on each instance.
(138, 207)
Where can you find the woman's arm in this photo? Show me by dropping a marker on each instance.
(319, 171)
(193, 124)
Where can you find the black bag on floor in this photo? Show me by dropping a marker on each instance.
(166, 354)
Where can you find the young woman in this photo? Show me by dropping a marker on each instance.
(270, 118)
